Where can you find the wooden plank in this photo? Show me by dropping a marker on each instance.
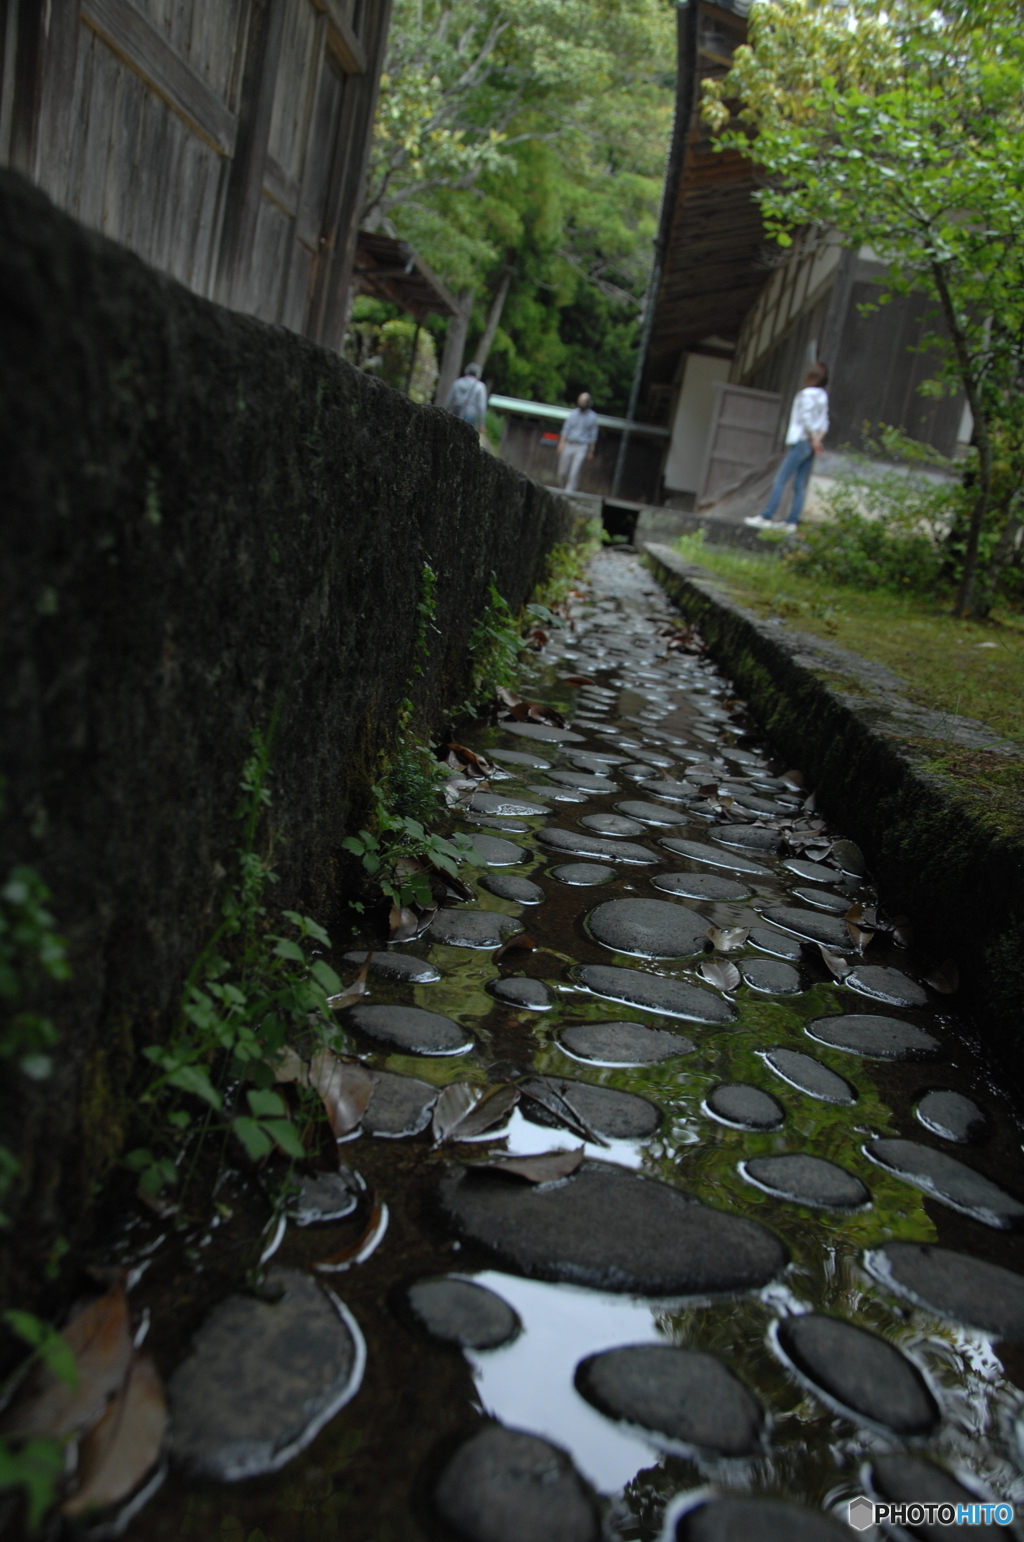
(98, 129)
(301, 44)
(342, 40)
(120, 197)
(134, 38)
(280, 186)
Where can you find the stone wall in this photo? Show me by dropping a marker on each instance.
(209, 524)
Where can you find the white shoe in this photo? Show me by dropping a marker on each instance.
(756, 522)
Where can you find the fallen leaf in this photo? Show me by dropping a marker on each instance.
(458, 755)
(546, 1168)
(727, 939)
(124, 1446)
(345, 1087)
(850, 858)
(521, 943)
(902, 931)
(507, 698)
(355, 990)
(792, 779)
(492, 1108)
(453, 1104)
(556, 1099)
(832, 961)
(464, 1110)
(575, 680)
(860, 935)
(409, 921)
(723, 975)
(100, 1339)
(359, 1250)
(945, 979)
(290, 1067)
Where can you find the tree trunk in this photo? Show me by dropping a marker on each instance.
(493, 318)
(1000, 557)
(454, 347)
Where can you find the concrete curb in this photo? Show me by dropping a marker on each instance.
(933, 841)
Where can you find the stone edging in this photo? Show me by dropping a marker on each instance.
(864, 748)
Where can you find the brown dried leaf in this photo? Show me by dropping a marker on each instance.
(945, 979)
(101, 1341)
(355, 990)
(290, 1067)
(832, 961)
(124, 1446)
(555, 1097)
(363, 1245)
(545, 1168)
(522, 943)
(453, 1104)
(410, 921)
(792, 778)
(723, 975)
(902, 931)
(575, 680)
(345, 1087)
(727, 939)
(459, 755)
(492, 1108)
(507, 698)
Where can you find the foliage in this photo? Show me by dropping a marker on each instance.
(494, 648)
(566, 568)
(380, 341)
(900, 126)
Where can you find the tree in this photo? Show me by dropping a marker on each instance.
(900, 125)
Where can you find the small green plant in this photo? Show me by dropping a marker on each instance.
(426, 610)
(566, 569)
(495, 644)
(397, 854)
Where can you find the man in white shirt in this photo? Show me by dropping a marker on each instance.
(808, 425)
(576, 442)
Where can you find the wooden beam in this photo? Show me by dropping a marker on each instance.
(280, 186)
(130, 35)
(341, 40)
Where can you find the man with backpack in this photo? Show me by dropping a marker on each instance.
(468, 397)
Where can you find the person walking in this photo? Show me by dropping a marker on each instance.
(468, 398)
(808, 425)
(576, 442)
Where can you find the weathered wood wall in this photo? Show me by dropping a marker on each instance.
(224, 141)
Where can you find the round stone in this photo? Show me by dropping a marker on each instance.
(494, 852)
(583, 781)
(506, 826)
(462, 1313)
(517, 758)
(400, 1106)
(507, 1486)
(876, 1038)
(493, 803)
(610, 1229)
(816, 928)
(611, 824)
(745, 1107)
(655, 992)
(547, 733)
(771, 976)
(472, 928)
(583, 875)
(411, 1029)
(608, 1112)
(558, 794)
(951, 1116)
(949, 1181)
(700, 886)
(665, 787)
(579, 843)
(687, 1396)
(326, 1197)
(910, 1480)
(698, 852)
(755, 804)
(736, 1518)
(882, 983)
(835, 904)
(771, 941)
(397, 966)
(747, 838)
(518, 991)
(811, 872)
(263, 1378)
(649, 813)
(809, 1075)
(509, 886)
(806, 1180)
(860, 1372)
(622, 1044)
(648, 928)
(968, 1290)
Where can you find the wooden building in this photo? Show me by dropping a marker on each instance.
(736, 320)
(224, 141)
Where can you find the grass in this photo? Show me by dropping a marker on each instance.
(965, 668)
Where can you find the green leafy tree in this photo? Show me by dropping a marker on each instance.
(900, 126)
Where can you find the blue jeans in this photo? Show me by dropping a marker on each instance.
(796, 463)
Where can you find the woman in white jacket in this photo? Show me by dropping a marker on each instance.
(808, 425)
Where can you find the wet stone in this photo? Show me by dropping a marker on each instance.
(687, 1396)
(970, 1291)
(810, 1076)
(701, 886)
(493, 803)
(860, 1371)
(397, 966)
(400, 1106)
(812, 872)
(506, 826)
(411, 1029)
(806, 923)
(951, 1115)
(745, 1107)
(611, 824)
(326, 1197)
(948, 1180)
(698, 852)
(876, 1038)
(518, 991)
(806, 1180)
(747, 837)
(263, 1378)
(650, 813)
(496, 852)
(835, 904)
(509, 886)
(771, 976)
(675, 792)
(462, 1313)
(559, 794)
(910, 1479)
(581, 844)
(889, 985)
(608, 1112)
(649, 928)
(472, 928)
(733, 1518)
(583, 875)
(672, 998)
(770, 941)
(622, 1044)
(545, 732)
(582, 782)
(507, 1486)
(610, 1229)
(518, 758)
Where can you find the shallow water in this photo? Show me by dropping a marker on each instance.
(369, 1473)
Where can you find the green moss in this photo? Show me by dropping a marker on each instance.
(104, 1109)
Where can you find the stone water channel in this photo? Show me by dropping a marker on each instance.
(788, 1269)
